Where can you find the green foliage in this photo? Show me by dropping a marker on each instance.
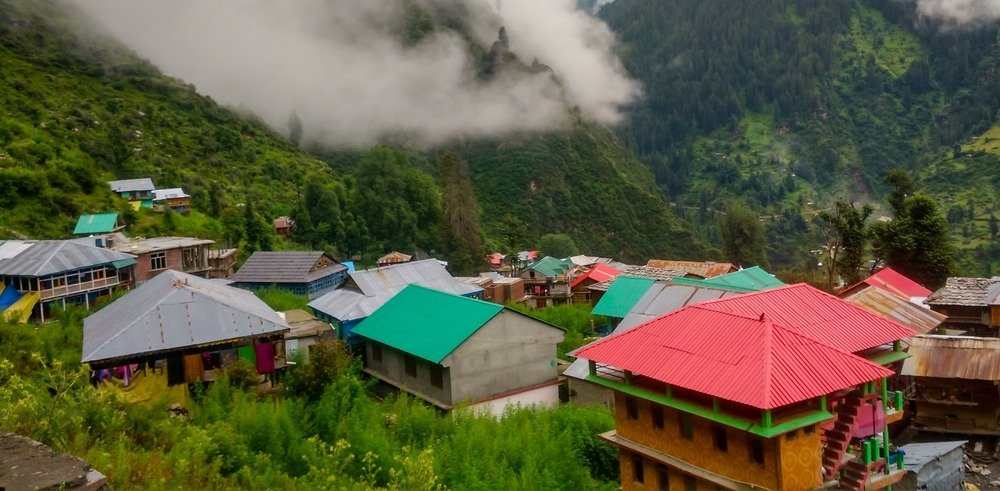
(557, 245)
(461, 237)
(916, 243)
(281, 300)
(574, 318)
(327, 360)
(849, 247)
(742, 234)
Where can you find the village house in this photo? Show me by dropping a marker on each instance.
(699, 269)
(595, 274)
(305, 330)
(158, 254)
(955, 380)
(38, 274)
(367, 290)
(804, 381)
(309, 273)
(221, 263)
(188, 326)
(282, 226)
(394, 257)
(880, 302)
(546, 282)
(891, 281)
(173, 198)
(496, 288)
(971, 304)
(449, 350)
(98, 224)
(138, 191)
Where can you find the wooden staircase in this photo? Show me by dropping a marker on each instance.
(855, 476)
(839, 436)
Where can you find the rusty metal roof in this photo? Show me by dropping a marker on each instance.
(705, 269)
(878, 301)
(954, 357)
(751, 360)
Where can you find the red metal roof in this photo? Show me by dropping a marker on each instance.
(816, 314)
(893, 282)
(747, 359)
(599, 273)
(496, 258)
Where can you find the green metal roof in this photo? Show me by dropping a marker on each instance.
(746, 280)
(426, 323)
(550, 266)
(622, 295)
(99, 223)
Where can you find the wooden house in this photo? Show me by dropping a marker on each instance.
(282, 226)
(173, 198)
(955, 384)
(970, 303)
(190, 327)
(98, 224)
(367, 290)
(448, 350)
(546, 282)
(496, 288)
(37, 274)
(158, 254)
(765, 390)
(138, 191)
(394, 257)
(309, 273)
(596, 273)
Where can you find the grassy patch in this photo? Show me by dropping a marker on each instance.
(893, 48)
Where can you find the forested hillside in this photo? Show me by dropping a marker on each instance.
(78, 109)
(785, 105)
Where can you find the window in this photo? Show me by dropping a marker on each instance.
(662, 477)
(377, 353)
(791, 435)
(809, 430)
(638, 470)
(690, 483)
(756, 450)
(157, 260)
(437, 376)
(687, 428)
(656, 412)
(720, 438)
(411, 365)
(631, 407)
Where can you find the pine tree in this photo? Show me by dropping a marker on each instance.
(743, 239)
(461, 235)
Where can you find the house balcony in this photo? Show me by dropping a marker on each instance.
(77, 288)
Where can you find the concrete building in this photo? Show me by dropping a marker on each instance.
(450, 350)
(158, 254)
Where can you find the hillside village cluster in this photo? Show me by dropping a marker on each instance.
(718, 377)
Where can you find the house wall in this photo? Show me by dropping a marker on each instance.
(174, 260)
(393, 368)
(735, 463)
(588, 394)
(509, 352)
(960, 406)
(658, 476)
(995, 316)
(800, 459)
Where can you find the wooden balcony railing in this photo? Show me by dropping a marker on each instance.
(83, 286)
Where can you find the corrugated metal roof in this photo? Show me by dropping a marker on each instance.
(749, 279)
(969, 292)
(303, 324)
(126, 185)
(170, 193)
(623, 293)
(651, 272)
(286, 267)
(662, 297)
(550, 266)
(752, 361)
(878, 301)
(920, 454)
(600, 272)
(394, 257)
(173, 311)
(954, 357)
(99, 223)
(893, 282)
(368, 289)
(705, 269)
(45, 257)
(582, 260)
(426, 323)
(816, 314)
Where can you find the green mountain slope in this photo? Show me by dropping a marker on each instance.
(789, 104)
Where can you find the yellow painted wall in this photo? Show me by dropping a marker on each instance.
(735, 463)
(995, 316)
(800, 460)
